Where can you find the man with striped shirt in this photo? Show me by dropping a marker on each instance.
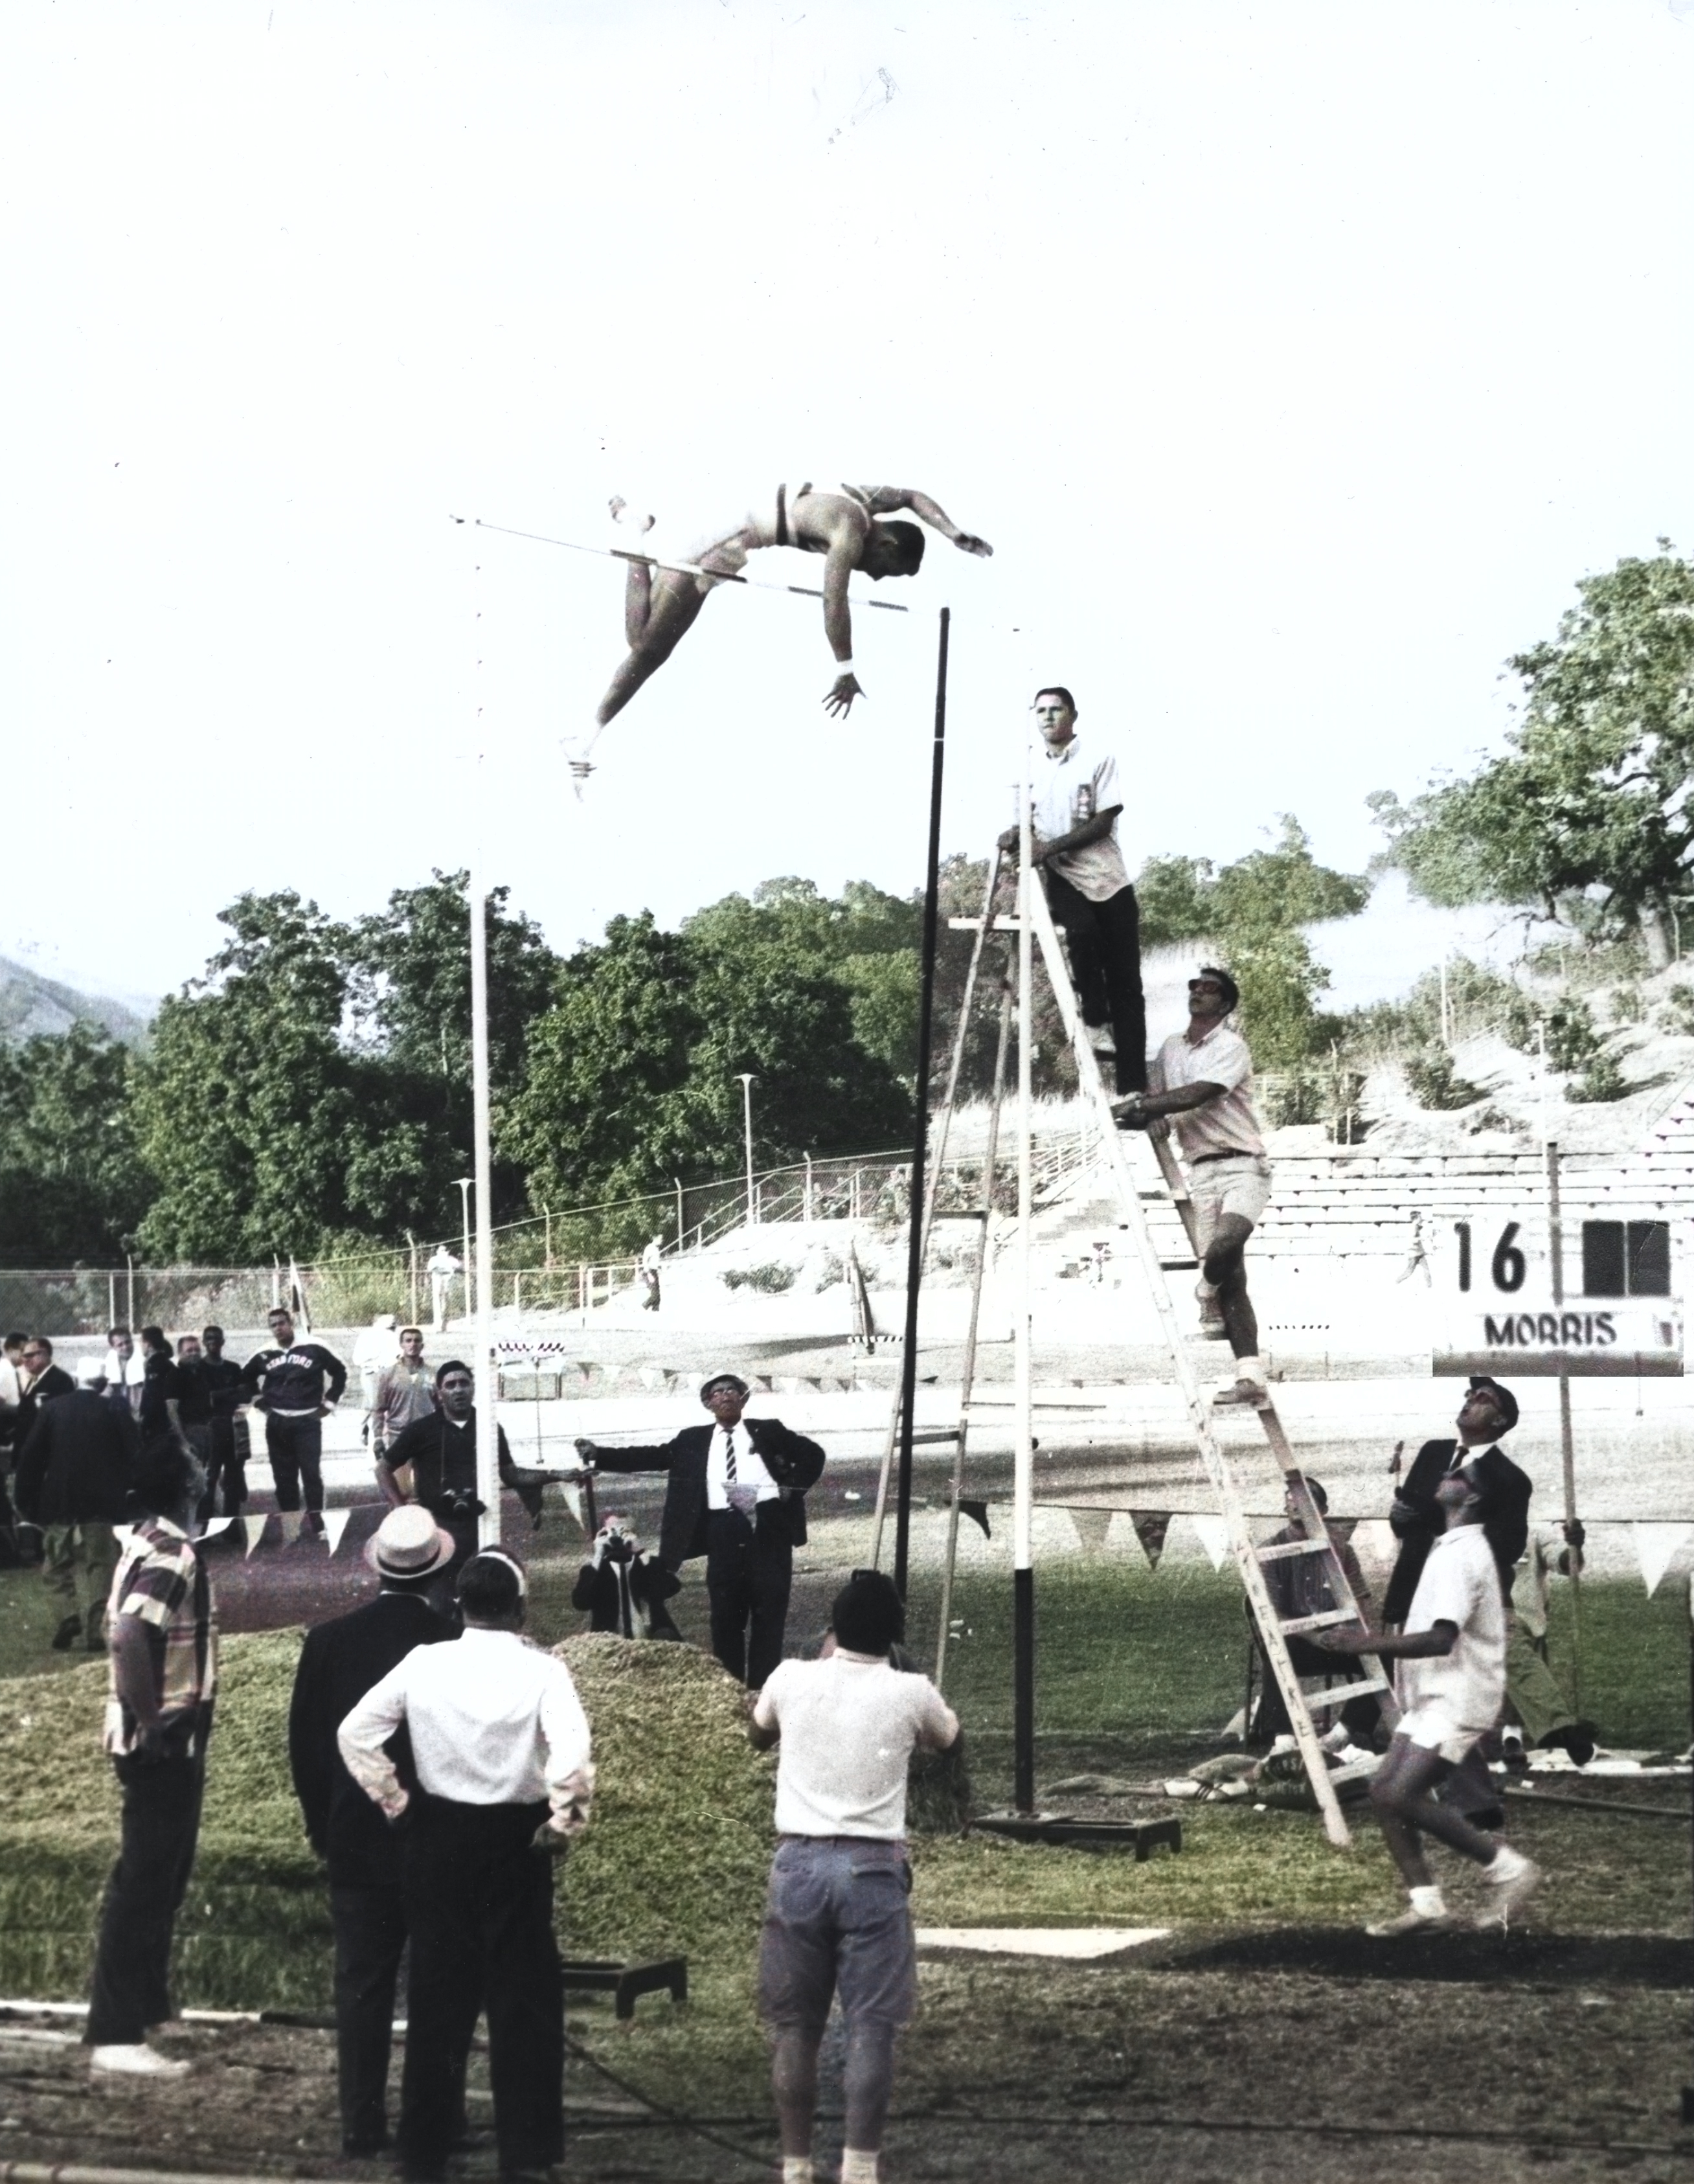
(164, 1637)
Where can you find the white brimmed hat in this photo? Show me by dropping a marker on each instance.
(90, 1372)
(408, 1543)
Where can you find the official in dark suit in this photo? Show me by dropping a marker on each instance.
(75, 1473)
(339, 1663)
(736, 1494)
(1417, 1518)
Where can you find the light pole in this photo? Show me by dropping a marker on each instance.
(745, 1077)
(464, 1183)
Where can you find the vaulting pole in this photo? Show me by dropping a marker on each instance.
(920, 1144)
(1024, 1476)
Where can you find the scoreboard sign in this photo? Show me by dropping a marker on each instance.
(1498, 1314)
(1611, 1336)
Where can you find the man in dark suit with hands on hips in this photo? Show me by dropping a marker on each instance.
(736, 1494)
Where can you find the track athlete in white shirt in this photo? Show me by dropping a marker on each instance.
(1202, 1079)
(1451, 1690)
(837, 1919)
(500, 1746)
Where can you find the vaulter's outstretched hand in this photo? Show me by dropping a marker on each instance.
(839, 702)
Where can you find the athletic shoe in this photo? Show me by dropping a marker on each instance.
(67, 1634)
(137, 2061)
(1411, 1922)
(1516, 1876)
(1243, 1391)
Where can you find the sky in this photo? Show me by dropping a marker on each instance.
(1296, 360)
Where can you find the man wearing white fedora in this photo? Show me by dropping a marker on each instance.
(339, 1663)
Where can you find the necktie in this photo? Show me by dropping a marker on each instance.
(729, 1455)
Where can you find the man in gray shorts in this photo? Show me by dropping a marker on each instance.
(837, 1918)
(1203, 1079)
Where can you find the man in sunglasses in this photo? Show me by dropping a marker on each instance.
(1202, 1078)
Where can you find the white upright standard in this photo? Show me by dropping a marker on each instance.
(1023, 1477)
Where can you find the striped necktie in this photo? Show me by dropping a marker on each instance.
(729, 1455)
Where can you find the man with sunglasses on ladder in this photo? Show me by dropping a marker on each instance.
(1202, 1079)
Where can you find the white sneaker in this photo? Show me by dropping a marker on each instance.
(1411, 1922)
(1508, 1881)
(139, 2061)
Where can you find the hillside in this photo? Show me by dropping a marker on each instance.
(30, 1004)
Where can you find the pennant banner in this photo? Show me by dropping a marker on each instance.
(1151, 1527)
(571, 1494)
(1374, 1540)
(1657, 1546)
(217, 1524)
(335, 1522)
(253, 1531)
(1092, 1527)
(1214, 1537)
(977, 1511)
(291, 1520)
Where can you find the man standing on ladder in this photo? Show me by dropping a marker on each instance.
(1203, 1079)
(1074, 807)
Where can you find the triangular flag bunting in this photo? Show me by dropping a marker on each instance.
(218, 1524)
(1151, 1527)
(1092, 1527)
(252, 1529)
(977, 1511)
(1214, 1537)
(1374, 1540)
(335, 1522)
(291, 1520)
(1657, 1546)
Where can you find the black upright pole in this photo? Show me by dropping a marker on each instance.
(920, 1143)
(1688, 2091)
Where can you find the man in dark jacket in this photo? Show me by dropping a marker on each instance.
(1488, 1412)
(297, 1384)
(736, 1494)
(73, 1477)
(209, 1396)
(441, 1450)
(623, 1590)
(339, 1663)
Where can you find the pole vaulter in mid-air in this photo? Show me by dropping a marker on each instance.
(845, 526)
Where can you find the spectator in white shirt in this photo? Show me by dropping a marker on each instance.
(836, 1920)
(1202, 1078)
(500, 1749)
(1074, 804)
(1451, 1693)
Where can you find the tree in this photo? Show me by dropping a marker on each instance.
(73, 1187)
(1586, 816)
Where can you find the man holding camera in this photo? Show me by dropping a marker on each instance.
(624, 1589)
(441, 1452)
(736, 1494)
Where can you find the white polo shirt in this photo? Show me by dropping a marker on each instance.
(1068, 788)
(849, 1725)
(1225, 1125)
(1460, 1586)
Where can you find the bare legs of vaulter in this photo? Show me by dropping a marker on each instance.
(1224, 1267)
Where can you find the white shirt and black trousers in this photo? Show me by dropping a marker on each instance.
(499, 1740)
(737, 1495)
(1091, 899)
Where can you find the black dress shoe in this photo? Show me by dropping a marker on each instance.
(67, 1634)
(361, 2146)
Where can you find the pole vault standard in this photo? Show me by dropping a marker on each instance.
(487, 1366)
(920, 1144)
(1023, 1473)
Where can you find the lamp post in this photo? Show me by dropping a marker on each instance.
(745, 1078)
(464, 1183)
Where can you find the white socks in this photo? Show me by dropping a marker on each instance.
(857, 2167)
(1505, 1865)
(797, 2169)
(1250, 1368)
(1429, 1902)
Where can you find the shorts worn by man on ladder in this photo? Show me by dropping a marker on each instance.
(1074, 806)
(1202, 1079)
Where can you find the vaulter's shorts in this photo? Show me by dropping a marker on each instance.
(1434, 1727)
(1240, 1183)
(837, 1920)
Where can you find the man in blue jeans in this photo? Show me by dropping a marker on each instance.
(837, 1919)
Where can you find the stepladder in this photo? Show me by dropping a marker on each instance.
(1272, 1629)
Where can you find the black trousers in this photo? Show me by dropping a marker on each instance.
(224, 1462)
(750, 1569)
(161, 1826)
(295, 1447)
(1270, 1716)
(1104, 940)
(479, 1905)
(370, 1940)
